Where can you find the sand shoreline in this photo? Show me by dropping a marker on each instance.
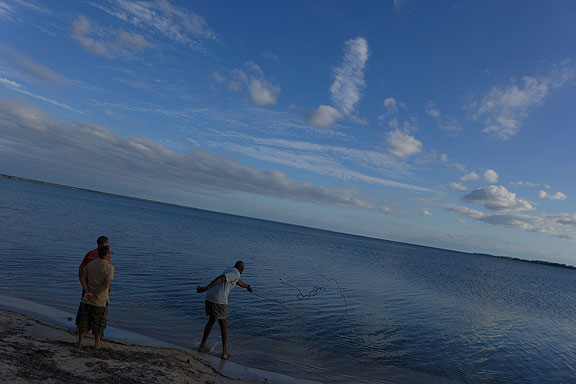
(34, 352)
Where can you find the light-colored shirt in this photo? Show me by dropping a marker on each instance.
(97, 273)
(219, 293)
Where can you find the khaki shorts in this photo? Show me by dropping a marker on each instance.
(217, 311)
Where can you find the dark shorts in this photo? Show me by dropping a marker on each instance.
(217, 311)
(91, 315)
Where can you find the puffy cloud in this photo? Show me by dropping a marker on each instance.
(490, 176)
(470, 176)
(504, 110)
(262, 93)
(457, 187)
(324, 116)
(130, 162)
(426, 212)
(552, 196)
(345, 91)
(123, 42)
(497, 198)
(401, 144)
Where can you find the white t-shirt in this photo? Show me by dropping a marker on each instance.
(219, 293)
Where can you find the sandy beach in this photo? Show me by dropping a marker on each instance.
(33, 352)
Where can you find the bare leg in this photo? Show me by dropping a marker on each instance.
(224, 333)
(97, 342)
(207, 330)
(81, 339)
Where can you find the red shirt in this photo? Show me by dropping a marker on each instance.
(90, 256)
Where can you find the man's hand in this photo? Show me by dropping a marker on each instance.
(200, 289)
(249, 288)
(88, 296)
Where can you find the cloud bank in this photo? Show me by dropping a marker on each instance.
(93, 150)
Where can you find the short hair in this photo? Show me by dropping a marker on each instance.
(104, 251)
(102, 240)
(239, 264)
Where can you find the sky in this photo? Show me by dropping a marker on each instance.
(449, 123)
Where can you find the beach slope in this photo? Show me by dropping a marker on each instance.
(33, 352)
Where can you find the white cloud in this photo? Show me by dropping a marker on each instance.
(123, 43)
(529, 184)
(552, 196)
(164, 19)
(426, 212)
(503, 110)
(10, 83)
(497, 198)
(401, 144)
(457, 187)
(345, 91)
(250, 78)
(490, 176)
(262, 93)
(470, 176)
(325, 116)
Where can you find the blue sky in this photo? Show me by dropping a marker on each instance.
(449, 124)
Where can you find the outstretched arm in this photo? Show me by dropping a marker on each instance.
(244, 285)
(214, 282)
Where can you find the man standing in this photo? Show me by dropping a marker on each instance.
(95, 279)
(89, 257)
(217, 301)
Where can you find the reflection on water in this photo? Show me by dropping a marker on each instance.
(325, 305)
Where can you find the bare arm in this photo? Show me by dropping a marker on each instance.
(214, 282)
(80, 270)
(244, 285)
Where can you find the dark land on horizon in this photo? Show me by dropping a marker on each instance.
(542, 262)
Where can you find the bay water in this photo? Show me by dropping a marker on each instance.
(326, 306)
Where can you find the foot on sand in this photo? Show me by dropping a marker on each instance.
(225, 356)
(202, 349)
(98, 347)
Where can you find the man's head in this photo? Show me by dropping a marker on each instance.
(239, 266)
(102, 241)
(105, 252)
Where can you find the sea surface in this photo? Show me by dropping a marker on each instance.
(326, 306)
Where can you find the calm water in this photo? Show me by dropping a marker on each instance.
(368, 309)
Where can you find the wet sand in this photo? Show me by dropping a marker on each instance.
(33, 352)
